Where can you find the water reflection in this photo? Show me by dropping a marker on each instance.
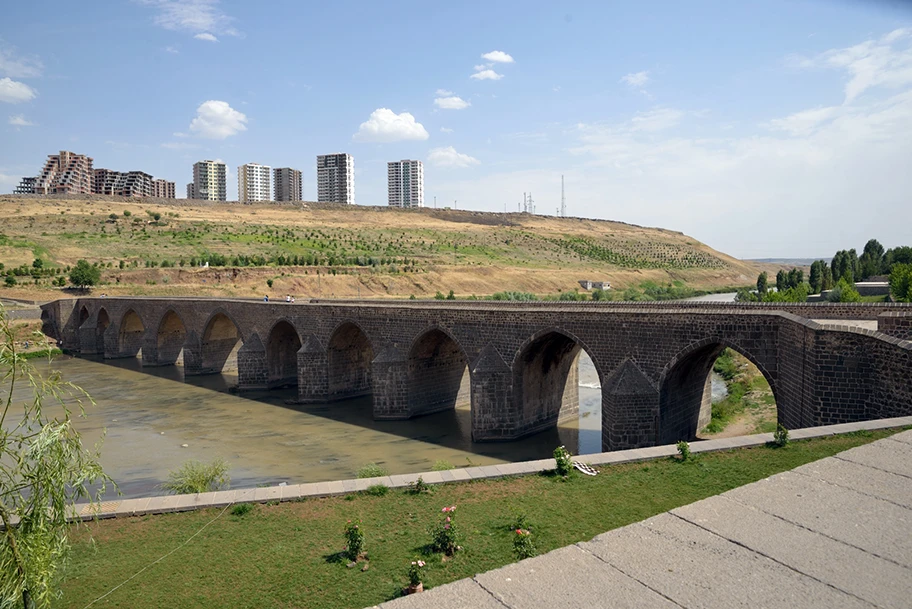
(150, 413)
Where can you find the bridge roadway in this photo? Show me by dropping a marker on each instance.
(653, 359)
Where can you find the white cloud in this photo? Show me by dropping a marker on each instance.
(19, 120)
(216, 120)
(658, 119)
(173, 50)
(483, 66)
(498, 57)
(448, 157)
(636, 80)
(451, 103)
(870, 64)
(178, 145)
(384, 125)
(443, 93)
(16, 66)
(806, 121)
(179, 134)
(207, 37)
(194, 16)
(486, 75)
(13, 92)
(446, 130)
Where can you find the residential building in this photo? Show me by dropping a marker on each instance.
(67, 173)
(287, 184)
(209, 181)
(405, 183)
(122, 183)
(336, 178)
(254, 183)
(191, 192)
(26, 187)
(163, 189)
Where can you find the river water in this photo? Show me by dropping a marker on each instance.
(149, 414)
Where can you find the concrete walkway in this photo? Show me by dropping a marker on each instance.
(833, 533)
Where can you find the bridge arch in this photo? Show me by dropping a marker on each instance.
(282, 345)
(102, 321)
(546, 378)
(437, 367)
(130, 335)
(83, 316)
(171, 336)
(349, 353)
(219, 344)
(685, 394)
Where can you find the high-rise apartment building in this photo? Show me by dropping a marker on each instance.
(254, 183)
(288, 185)
(122, 183)
(163, 189)
(336, 178)
(191, 191)
(67, 172)
(209, 181)
(26, 187)
(405, 183)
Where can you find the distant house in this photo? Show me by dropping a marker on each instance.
(588, 284)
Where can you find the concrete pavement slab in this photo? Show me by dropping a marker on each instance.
(567, 578)
(463, 594)
(905, 436)
(861, 478)
(878, 526)
(878, 581)
(888, 455)
(696, 568)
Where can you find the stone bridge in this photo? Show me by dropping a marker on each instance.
(653, 359)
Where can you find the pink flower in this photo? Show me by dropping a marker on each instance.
(420, 563)
(446, 526)
(519, 531)
(448, 519)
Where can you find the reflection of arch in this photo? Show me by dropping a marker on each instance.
(685, 389)
(546, 378)
(349, 354)
(437, 366)
(131, 333)
(282, 355)
(172, 334)
(219, 345)
(102, 322)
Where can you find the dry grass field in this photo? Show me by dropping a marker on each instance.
(320, 250)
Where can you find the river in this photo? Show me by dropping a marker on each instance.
(155, 419)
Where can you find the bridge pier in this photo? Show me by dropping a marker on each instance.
(494, 414)
(313, 372)
(193, 355)
(630, 409)
(389, 372)
(253, 367)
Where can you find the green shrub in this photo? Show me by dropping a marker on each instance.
(198, 477)
(372, 470)
(901, 282)
(780, 436)
(441, 465)
(444, 534)
(523, 546)
(377, 490)
(241, 508)
(844, 292)
(563, 462)
(684, 451)
(354, 540)
(419, 486)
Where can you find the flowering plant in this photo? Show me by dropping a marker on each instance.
(354, 537)
(563, 461)
(523, 545)
(414, 572)
(445, 536)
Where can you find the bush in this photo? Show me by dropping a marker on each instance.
(844, 292)
(241, 508)
(10, 281)
(354, 540)
(444, 535)
(269, 282)
(563, 462)
(780, 436)
(198, 477)
(127, 213)
(521, 296)
(901, 282)
(684, 451)
(419, 486)
(573, 296)
(414, 572)
(377, 490)
(372, 470)
(441, 465)
(523, 546)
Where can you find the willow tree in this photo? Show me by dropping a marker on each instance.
(44, 471)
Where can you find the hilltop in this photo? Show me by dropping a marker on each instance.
(153, 247)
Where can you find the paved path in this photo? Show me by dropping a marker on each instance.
(833, 533)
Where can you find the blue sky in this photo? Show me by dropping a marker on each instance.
(762, 128)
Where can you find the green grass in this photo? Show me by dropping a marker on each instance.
(286, 555)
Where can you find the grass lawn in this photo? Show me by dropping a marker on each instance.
(285, 555)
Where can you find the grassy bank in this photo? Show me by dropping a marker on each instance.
(750, 402)
(285, 555)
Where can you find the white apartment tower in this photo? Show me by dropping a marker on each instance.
(209, 181)
(336, 178)
(254, 183)
(405, 183)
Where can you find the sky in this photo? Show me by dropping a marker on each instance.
(763, 128)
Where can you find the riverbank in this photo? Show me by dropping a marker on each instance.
(261, 553)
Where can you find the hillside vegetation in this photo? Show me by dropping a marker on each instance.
(323, 250)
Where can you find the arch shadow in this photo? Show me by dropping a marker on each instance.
(437, 372)
(170, 338)
(219, 345)
(349, 353)
(130, 334)
(282, 345)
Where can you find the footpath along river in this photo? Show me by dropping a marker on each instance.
(150, 414)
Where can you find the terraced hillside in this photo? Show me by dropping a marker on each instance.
(147, 247)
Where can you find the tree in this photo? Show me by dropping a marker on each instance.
(781, 281)
(816, 277)
(897, 255)
(84, 274)
(44, 470)
(828, 282)
(38, 264)
(844, 291)
(901, 282)
(872, 259)
(762, 283)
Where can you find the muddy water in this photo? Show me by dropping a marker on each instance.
(149, 414)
